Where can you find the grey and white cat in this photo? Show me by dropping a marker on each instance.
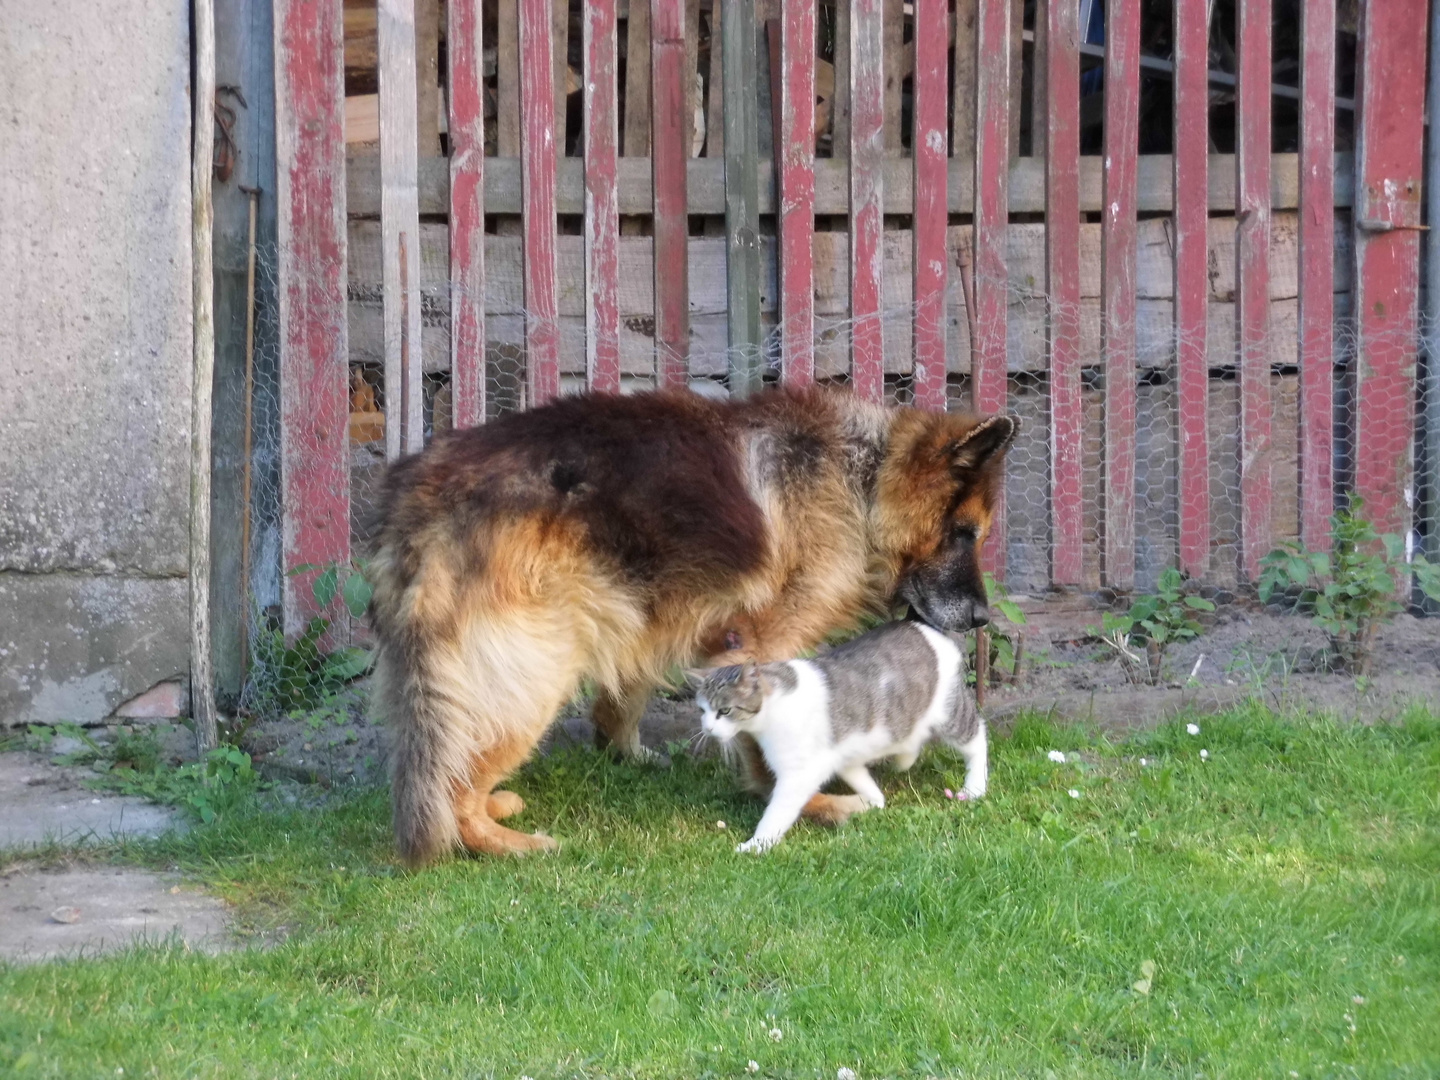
(884, 694)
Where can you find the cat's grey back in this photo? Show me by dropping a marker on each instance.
(885, 678)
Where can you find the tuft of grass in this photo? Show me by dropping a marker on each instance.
(1269, 907)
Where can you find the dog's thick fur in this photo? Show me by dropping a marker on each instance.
(608, 538)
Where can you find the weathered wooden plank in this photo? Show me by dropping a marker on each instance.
(962, 118)
(1252, 280)
(426, 24)
(1317, 271)
(989, 381)
(1118, 254)
(796, 227)
(670, 129)
(602, 199)
(559, 66)
(706, 185)
(636, 136)
(537, 105)
(1062, 287)
(202, 374)
(742, 196)
(929, 154)
(400, 228)
(1192, 286)
(467, 212)
(867, 157)
(1391, 86)
(896, 67)
(507, 92)
(715, 87)
(840, 104)
(314, 368)
(693, 124)
(1017, 69)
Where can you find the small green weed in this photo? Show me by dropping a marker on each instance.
(1351, 592)
(288, 679)
(1005, 636)
(204, 788)
(1154, 622)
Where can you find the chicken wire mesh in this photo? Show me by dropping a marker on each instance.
(286, 672)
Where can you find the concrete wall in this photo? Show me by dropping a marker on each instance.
(94, 353)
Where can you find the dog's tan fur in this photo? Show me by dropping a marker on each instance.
(517, 559)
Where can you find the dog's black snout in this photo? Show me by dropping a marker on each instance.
(979, 616)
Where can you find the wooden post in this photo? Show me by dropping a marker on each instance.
(990, 377)
(867, 197)
(202, 284)
(930, 220)
(795, 163)
(1252, 279)
(1192, 280)
(670, 137)
(1118, 255)
(467, 212)
(314, 340)
(537, 182)
(1062, 277)
(400, 229)
(742, 198)
(1390, 83)
(602, 199)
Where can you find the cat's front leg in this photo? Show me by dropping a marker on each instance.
(863, 784)
(790, 796)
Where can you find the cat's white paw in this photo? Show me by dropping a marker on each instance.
(969, 794)
(756, 844)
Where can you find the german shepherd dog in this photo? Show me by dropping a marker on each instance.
(608, 538)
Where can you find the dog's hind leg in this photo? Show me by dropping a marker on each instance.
(617, 724)
(478, 806)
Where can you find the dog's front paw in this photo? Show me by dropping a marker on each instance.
(757, 844)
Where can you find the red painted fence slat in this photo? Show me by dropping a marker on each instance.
(1252, 278)
(670, 149)
(1390, 90)
(1317, 271)
(989, 379)
(467, 213)
(1192, 280)
(1118, 257)
(796, 151)
(602, 199)
(537, 184)
(867, 154)
(1062, 285)
(314, 342)
(930, 132)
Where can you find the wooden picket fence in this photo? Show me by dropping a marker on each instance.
(554, 265)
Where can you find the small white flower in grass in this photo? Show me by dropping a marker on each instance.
(1358, 1000)
(1056, 756)
(1074, 794)
(843, 1073)
(1192, 729)
(776, 1035)
(752, 1066)
(1204, 755)
(1143, 762)
(719, 824)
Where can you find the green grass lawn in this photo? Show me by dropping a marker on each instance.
(1282, 896)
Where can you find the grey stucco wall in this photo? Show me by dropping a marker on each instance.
(94, 353)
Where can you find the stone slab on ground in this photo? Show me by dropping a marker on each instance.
(41, 802)
(84, 911)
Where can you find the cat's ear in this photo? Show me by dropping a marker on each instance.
(749, 675)
(695, 677)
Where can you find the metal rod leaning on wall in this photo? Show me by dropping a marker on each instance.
(202, 222)
(253, 194)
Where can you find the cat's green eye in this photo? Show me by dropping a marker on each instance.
(722, 712)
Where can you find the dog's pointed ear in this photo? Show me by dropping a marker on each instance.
(986, 441)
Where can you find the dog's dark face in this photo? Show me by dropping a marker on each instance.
(945, 586)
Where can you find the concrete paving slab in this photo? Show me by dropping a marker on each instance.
(42, 802)
(87, 911)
